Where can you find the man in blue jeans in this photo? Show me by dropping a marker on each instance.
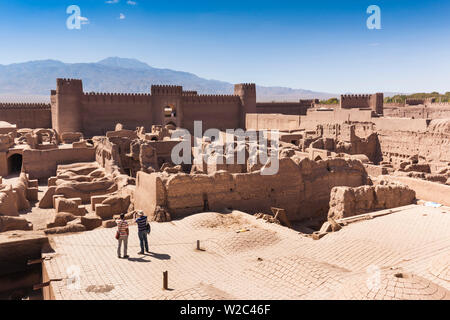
(142, 230)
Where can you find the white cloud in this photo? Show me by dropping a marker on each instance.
(131, 3)
(83, 20)
(112, 1)
(122, 16)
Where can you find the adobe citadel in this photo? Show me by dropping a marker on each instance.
(361, 178)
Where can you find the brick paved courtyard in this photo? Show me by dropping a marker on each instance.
(403, 255)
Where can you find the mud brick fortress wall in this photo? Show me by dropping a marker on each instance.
(431, 111)
(26, 115)
(310, 121)
(302, 188)
(402, 138)
(288, 108)
(216, 111)
(72, 110)
(96, 113)
(101, 112)
(399, 138)
(373, 102)
(256, 121)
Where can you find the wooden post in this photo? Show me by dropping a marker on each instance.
(165, 280)
(198, 244)
(280, 214)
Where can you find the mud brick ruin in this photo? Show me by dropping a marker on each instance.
(70, 168)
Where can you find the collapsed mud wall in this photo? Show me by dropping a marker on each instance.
(123, 151)
(401, 139)
(346, 201)
(369, 146)
(15, 197)
(301, 188)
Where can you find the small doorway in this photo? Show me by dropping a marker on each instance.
(15, 164)
(205, 203)
(318, 158)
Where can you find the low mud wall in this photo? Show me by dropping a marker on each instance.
(302, 189)
(42, 164)
(425, 190)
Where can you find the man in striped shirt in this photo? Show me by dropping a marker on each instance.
(142, 230)
(122, 230)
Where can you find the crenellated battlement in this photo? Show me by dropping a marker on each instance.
(68, 82)
(190, 93)
(18, 105)
(419, 101)
(211, 99)
(355, 96)
(69, 86)
(363, 101)
(245, 86)
(94, 113)
(166, 90)
(102, 97)
(116, 94)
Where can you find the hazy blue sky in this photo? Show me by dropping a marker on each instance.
(317, 45)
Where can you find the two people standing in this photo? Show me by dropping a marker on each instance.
(123, 232)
